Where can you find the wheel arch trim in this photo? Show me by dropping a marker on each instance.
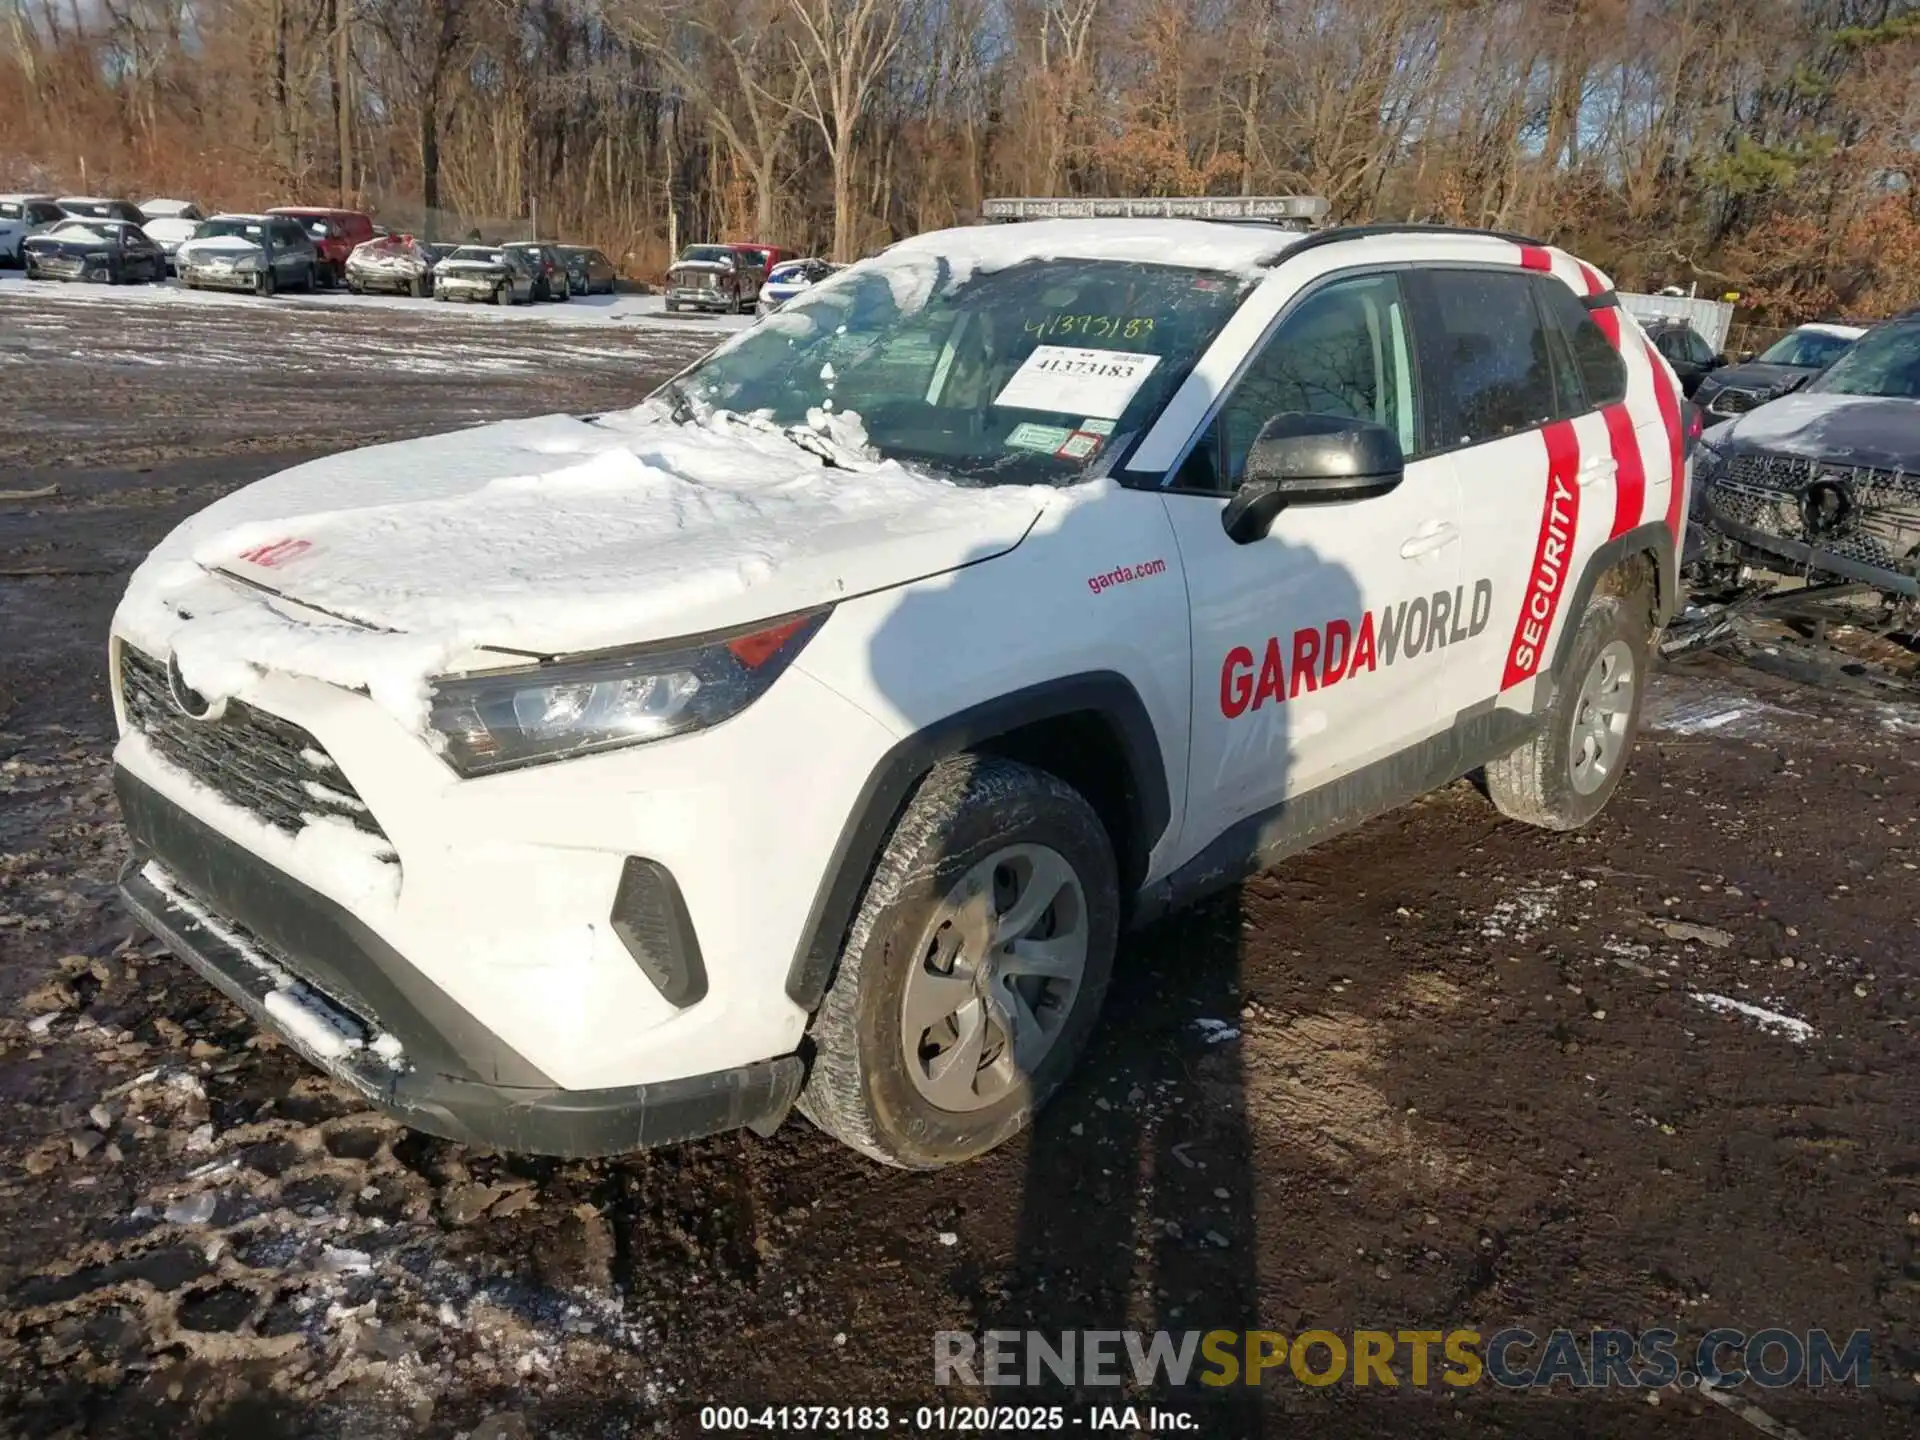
(1103, 693)
(1653, 540)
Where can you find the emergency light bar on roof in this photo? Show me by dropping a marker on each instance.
(1294, 211)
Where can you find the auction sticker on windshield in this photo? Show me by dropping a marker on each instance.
(1061, 378)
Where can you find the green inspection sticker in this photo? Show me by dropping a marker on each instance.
(1048, 438)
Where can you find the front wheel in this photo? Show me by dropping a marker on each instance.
(265, 285)
(1562, 777)
(974, 972)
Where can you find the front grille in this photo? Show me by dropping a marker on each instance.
(268, 766)
(1732, 402)
(1866, 515)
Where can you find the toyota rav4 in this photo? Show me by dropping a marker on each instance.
(811, 733)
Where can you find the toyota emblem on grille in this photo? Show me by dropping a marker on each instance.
(1825, 506)
(187, 700)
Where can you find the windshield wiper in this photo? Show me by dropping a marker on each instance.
(816, 444)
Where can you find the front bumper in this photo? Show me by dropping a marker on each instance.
(210, 279)
(460, 288)
(388, 282)
(1851, 522)
(247, 927)
(703, 299)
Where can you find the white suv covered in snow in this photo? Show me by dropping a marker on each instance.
(811, 732)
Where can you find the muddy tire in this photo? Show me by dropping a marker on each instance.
(1563, 776)
(992, 917)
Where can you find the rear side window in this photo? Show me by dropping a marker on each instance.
(43, 213)
(1603, 374)
(11, 210)
(1488, 354)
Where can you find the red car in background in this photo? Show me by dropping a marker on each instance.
(334, 232)
(761, 257)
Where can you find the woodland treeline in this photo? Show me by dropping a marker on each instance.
(1761, 146)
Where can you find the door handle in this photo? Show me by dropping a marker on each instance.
(1432, 536)
(1603, 468)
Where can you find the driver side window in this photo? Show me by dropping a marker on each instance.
(1343, 351)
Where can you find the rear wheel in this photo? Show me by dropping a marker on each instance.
(1562, 777)
(974, 972)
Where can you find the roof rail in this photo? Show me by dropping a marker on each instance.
(1290, 211)
(1338, 233)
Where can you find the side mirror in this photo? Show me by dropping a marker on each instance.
(1306, 459)
(1746, 355)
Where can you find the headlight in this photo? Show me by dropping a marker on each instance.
(247, 264)
(504, 719)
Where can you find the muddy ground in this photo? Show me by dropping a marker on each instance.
(1474, 1083)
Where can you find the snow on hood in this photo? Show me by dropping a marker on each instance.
(549, 536)
(724, 265)
(221, 245)
(170, 231)
(1868, 430)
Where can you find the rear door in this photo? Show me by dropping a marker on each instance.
(1532, 455)
(1316, 650)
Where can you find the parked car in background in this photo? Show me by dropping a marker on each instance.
(391, 264)
(334, 233)
(1826, 481)
(761, 257)
(589, 272)
(550, 280)
(21, 216)
(108, 252)
(262, 253)
(500, 273)
(1686, 350)
(170, 224)
(789, 278)
(1780, 369)
(92, 207)
(712, 277)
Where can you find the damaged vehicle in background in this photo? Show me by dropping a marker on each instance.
(170, 224)
(550, 280)
(94, 207)
(391, 265)
(1780, 369)
(1823, 483)
(495, 273)
(712, 277)
(790, 278)
(107, 252)
(334, 234)
(261, 253)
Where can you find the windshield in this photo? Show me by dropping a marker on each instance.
(1883, 362)
(1809, 349)
(476, 252)
(215, 229)
(1016, 376)
(94, 209)
(708, 254)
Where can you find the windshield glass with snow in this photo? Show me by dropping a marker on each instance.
(1809, 349)
(707, 255)
(1884, 362)
(219, 229)
(476, 253)
(1016, 376)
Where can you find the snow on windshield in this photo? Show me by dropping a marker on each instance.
(81, 232)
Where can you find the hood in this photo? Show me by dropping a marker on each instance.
(717, 266)
(473, 267)
(1867, 430)
(1761, 376)
(170, 232)
(232, 247)
(388, 257)
(542, 537)
(72, 241)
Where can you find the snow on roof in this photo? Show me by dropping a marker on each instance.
(86, 200)
(946, 259)
(1845, 332)
(19, 197)
(165, 209)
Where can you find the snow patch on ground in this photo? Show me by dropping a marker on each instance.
(1519, 915)
(1771, 1021)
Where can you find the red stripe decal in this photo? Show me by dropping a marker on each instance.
(1629, 473)
(1535, 257)
(1608, 319)
(1663, 392)
(1552, 555)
